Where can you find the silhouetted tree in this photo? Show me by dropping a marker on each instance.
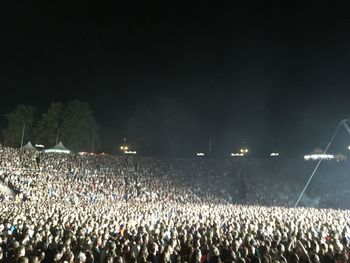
(78, 126)
(22, 114)
(49, 124)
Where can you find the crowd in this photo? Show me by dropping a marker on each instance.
(101, 208)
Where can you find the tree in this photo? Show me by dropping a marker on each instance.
(49, 124)
(78, 126)
(20, 116)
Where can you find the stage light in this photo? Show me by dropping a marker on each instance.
(318, 157)
(200, 154)
(243, 150)
(124, 148)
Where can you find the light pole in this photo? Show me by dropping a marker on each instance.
(57, 136)
(93, 141)
(24, 127)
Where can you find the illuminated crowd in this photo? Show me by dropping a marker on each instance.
(101, 208)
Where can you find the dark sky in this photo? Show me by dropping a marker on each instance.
(274, 78)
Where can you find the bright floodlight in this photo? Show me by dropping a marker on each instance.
(130, 152)
(274, 154)
(318, 157)
(200, 154)
(237, 154)
(241, 150)
(349, 147)
(246, 150)
(124, 148)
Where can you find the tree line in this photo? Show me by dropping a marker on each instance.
(74, 124)
(164, 127)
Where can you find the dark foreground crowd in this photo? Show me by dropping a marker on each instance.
(72, 208)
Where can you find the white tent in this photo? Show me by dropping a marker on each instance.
(29, 146)
(59, 148)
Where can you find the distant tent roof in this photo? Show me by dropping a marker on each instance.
(59, 148)
(317, 151)
(29, 146)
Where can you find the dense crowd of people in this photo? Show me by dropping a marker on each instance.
(102, 208)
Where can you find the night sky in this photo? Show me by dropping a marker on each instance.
(272, 78)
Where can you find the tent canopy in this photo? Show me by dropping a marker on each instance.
(59, 148)
(29, 146)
